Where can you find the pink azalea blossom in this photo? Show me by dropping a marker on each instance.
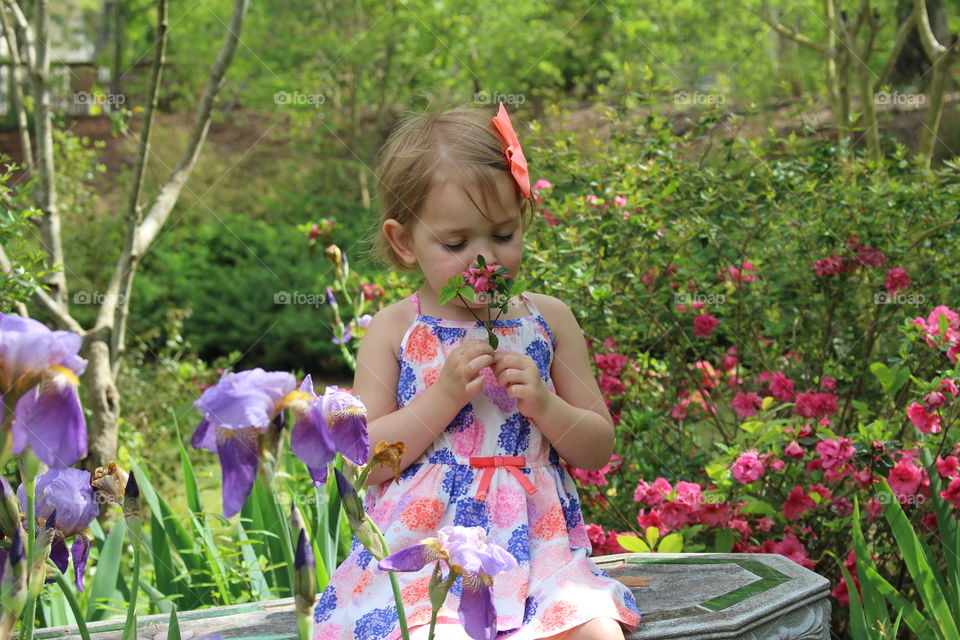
(597, 478)
(747, 468)
(610, 363)
(704, 324)
(677, 515)
(689, 493)
(781, 387)
(479, 279)
(793, 549)
(904, 479)
(651, 519)
(864, 478)
(794, 450)
(591, 200)
(934, 400)
(611, 386)
(870, 256)
(815, 405)
(828, 383)
(952, 493)
(947, 467)
(763, 525)
(897, 280)
(620, 201)
(834, 453)
(652, 494)
(826, 267)
(949, 386)
(797, 503)
(746, 404)
(542, 183)
(924, 422)
(842, 507)
(716, 514)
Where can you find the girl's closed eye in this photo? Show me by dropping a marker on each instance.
(460, 245)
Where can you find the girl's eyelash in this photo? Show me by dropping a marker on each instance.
(461, 245)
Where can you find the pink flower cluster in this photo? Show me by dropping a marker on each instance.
(866, 256)
(480, 279)
(597, 478)
(604, 542)
(934, 337)
(738, 275)
(925, 417)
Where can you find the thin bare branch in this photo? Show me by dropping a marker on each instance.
(790, 34)
(931, 45)
(902, 34)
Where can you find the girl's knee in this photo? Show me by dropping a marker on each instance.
(596, 629)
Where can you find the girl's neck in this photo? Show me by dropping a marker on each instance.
(456, 312)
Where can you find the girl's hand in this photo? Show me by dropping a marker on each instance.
(521, 377)
(460, 378)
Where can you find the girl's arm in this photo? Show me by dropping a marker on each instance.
(575, 420)
(418, 423)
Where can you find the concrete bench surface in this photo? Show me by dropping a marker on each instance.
(682, 596)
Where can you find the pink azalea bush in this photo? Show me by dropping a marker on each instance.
(781, 352)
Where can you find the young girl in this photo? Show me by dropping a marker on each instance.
(451, 186)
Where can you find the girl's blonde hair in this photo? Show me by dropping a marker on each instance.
(462, 143)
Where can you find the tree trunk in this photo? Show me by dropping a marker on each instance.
(103, 400)
(107, 337)
(46, 193)
(911, 70)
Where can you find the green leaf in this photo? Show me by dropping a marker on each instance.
(751, 426)
(258, 583)
(671, 543)
(915, 557)
(758, 507)
(633, 544)
(723, 541)
(652, 534)
(104, 587)
(857, 618)
(883, 374)
(173, 627)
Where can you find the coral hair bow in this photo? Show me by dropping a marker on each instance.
(518, 164)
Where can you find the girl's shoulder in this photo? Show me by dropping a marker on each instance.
(553, 309)
(556, 314)
(392, 322)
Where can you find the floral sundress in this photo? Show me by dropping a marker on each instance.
(493, 468)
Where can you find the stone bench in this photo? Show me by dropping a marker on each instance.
(681, 596)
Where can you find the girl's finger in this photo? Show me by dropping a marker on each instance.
(478, 363)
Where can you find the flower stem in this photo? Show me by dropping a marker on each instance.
(394, 584)
(287, 540)
(28, 475)
(130, 626)
(71, 599)
(304, 626)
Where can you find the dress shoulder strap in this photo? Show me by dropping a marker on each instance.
(415, 301)
(529, 301)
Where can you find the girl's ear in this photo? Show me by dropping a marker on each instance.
(400, 240)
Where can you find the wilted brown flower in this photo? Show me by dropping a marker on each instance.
(333, 254)
(110, 483)
(389, 455)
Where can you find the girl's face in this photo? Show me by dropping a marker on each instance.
(451, 232)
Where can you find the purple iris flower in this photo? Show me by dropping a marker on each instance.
(356, 328)
(236, 411)
(66, 492)
(335, 421)
(467, 553)
(244, 405)
(39, 371)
